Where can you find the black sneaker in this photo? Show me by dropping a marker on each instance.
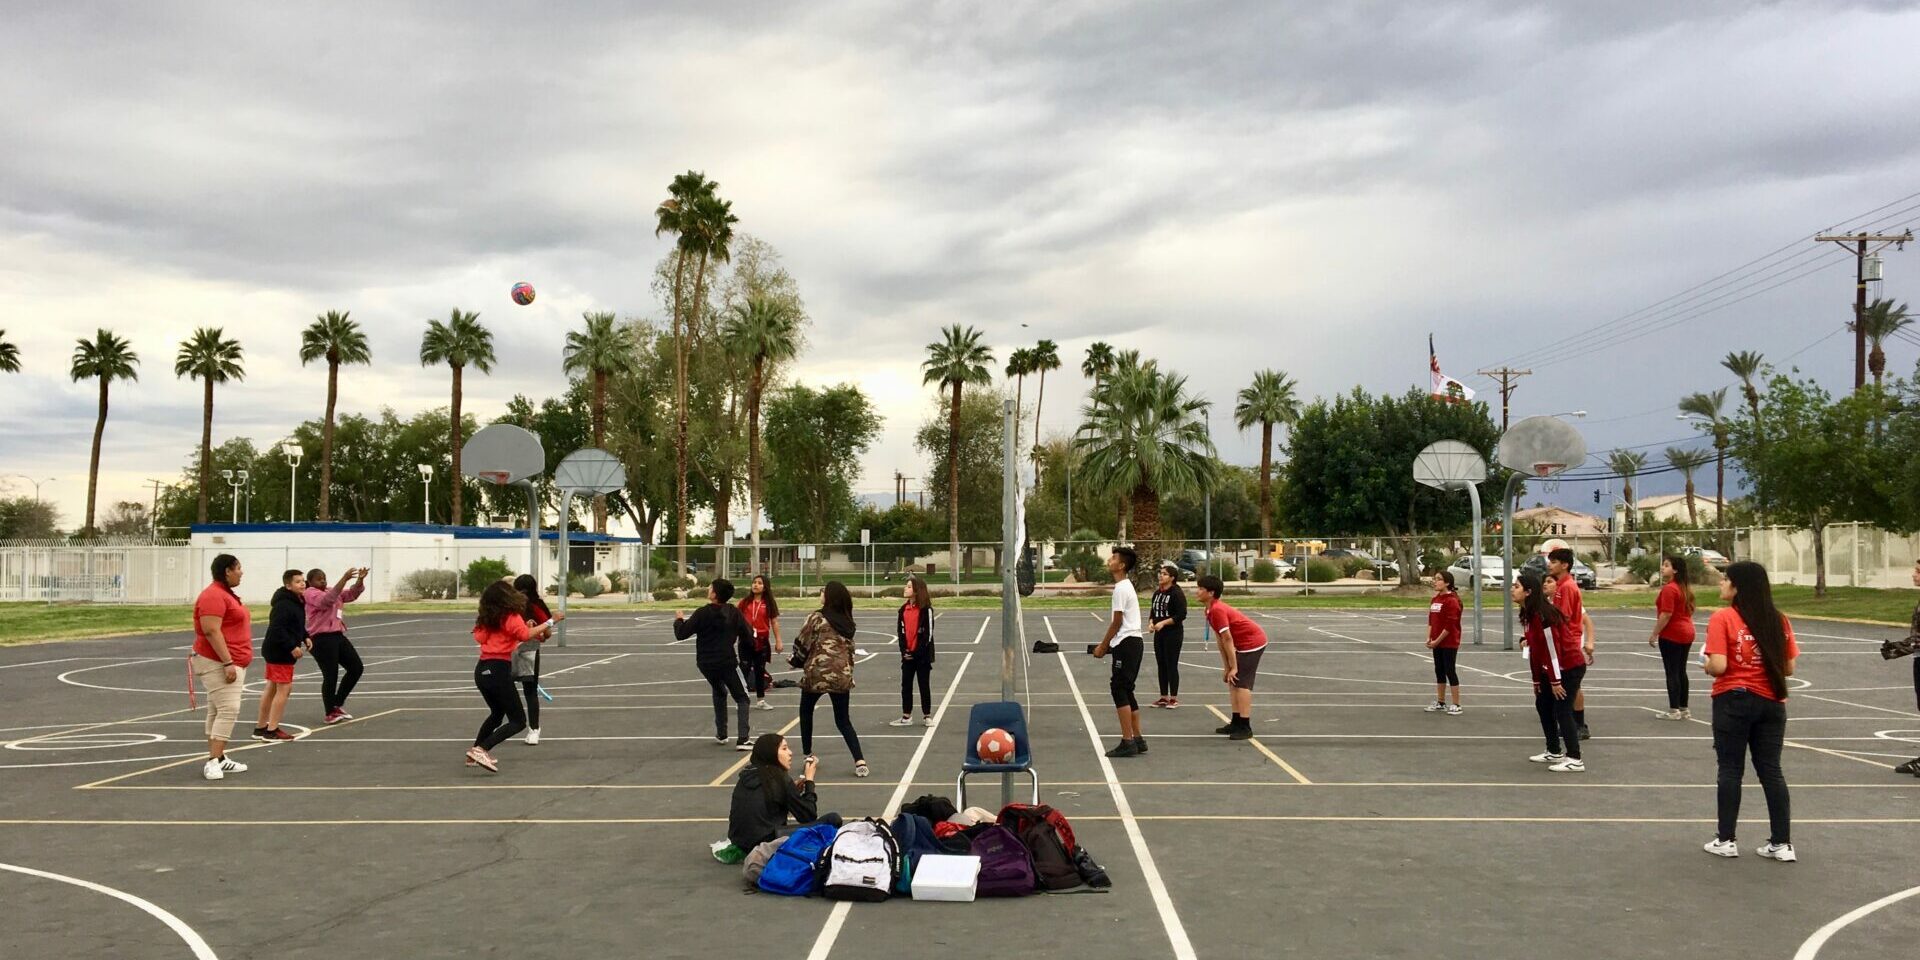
(1125, 749)
(1227, 727)
(1911, 766)
(1241, 733)
(1585, 734)
(1140, 744)
(743, 743)
(262, 733)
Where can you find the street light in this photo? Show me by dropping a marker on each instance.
(235, 480)
(293, 454)
(36, 483)
(426, 491)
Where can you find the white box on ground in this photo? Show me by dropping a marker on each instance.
(949, 878)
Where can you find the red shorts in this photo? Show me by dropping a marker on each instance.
(279, 673)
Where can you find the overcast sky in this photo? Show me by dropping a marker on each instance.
(1224, 186)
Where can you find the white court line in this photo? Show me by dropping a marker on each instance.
(983, 630)
(1342, 636)
(37, 663)
(1811, 948)
(201, 951)
(580, 666)
(1176, 932)
(823, 944)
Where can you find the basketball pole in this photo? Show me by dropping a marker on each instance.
(1506, 554)
(1009, 589)
(1479, 610)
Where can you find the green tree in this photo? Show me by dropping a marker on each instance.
(1236, 508)
(900, 532)
(1098, 363)
(26, 518)
(1351, 469)
(106, 358)
(601, 349)
(1046, 356)
(1269, 400)
(210, 357)
(1145, 437)
(1627, 464)
(9, 355)
(1903, 446)
(977, 465)
(765, 333)
(640, 432)
(1746, 364)
(459, 342)
(703, 227)
(336, 338)
(563, 424)
(1882, 319)
(815, 439)
(954, 361)
(1709, 409)
(1687, 461)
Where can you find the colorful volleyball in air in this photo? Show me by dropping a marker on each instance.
(523, 293)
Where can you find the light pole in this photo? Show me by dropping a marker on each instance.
(36, 483)
(235, 480)
(293, 476)
(1209, 500)
(426, 492)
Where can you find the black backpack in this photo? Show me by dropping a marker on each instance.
(1046, 834)
(936, 809)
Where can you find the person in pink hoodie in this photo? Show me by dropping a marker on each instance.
(331, 648)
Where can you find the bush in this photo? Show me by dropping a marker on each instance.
(1223, 568)
(665, 593)
(1351, 566)
(617, 581)
(1265, 571)
(893, 591)
(484, 571)
(588, 584)
(793, 593)
(1644, 567)
(430, 584)
(1322, 570)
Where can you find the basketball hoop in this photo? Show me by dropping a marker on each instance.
(498, 478)
(1547, 473)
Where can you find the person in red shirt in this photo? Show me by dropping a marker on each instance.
(1750, 654)
(499, 629)
(762, 612)
(914, 627)
(222, 649)
(1241, 644)
(1564, 591)
(1443, 638)
(1673, 634)
(1557, 664)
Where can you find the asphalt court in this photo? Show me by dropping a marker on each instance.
(1354, 825)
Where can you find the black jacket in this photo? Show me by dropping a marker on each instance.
(718, 629)
(1169, 605)
(286, 626)
(755, 818)
(923, 641)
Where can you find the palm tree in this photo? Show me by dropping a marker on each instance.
(1627, 464)
(1019, 364)
(1882, 319)
(1745, 364)
(1687, 461)
(704, 225)
(1709, 407)
(211, 358)
(9, 355)
(765, 332)
(1098, 364)
(1046, 356)
(955, 361)
(340, 341)
(1145, 437)
(1270, 400)
(105, 358)
(459, 342)
(604, 348)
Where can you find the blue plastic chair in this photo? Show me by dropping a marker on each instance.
(1006, 715)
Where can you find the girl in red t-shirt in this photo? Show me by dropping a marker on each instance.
(1443, 638)
(1673, 633)
(526, 659)
(500, 627)
(762, 613)
(1750, 655)
(1557, 664)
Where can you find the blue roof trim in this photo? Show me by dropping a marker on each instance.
(436, 529)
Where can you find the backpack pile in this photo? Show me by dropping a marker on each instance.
(863, 863)
(791, 870)
(1059, 862)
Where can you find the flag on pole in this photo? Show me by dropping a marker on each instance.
(1445, 387)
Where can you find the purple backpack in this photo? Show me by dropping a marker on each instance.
(1006, 868)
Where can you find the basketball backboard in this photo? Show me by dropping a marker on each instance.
(590, 470)
(1449, 465)
(502, 453)
(1542, 447)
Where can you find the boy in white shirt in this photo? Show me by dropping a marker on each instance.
(1123, 639)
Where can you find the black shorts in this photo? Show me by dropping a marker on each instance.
(1246, 667)
(1126, 653)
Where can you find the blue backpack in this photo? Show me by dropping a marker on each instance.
(914, 834)
(791, 871)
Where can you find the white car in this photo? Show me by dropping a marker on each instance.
(1493, 572)
(1711, 557)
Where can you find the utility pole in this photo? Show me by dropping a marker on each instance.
(1507, 376)
(1860, 245)
(153, 512)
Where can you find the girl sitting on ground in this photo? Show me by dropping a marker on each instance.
(765, 796)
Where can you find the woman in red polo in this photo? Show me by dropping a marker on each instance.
(1443, 638)
(222, 649)
(1750, 655)
(1673, 634)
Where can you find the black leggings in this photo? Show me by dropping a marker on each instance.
(1556, 713)
(504, 716)
(531, 686)
(1444, 666)
(841, 719)
(754, 656)
(333, 651)
(1126, 655)
(1166, 657)
(1743, 722)
(1673, 657)
(921, 670)
(725, 681)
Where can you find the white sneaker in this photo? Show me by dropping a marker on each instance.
(1436, 707)
(1782, 852)
(1453, 710)
(902, 722)
(763, 705)
(212, 770)
(1570, 765)
(926, 721)
(1673, 715)
(1547, 757)
(533, 737)
(1722, 848)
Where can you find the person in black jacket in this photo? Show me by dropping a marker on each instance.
(286, 640)
(1167, 618)
(764, 797)
(913, 627)
(718, 630)
(1913, 637)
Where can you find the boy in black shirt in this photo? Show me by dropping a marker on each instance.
(718, 629)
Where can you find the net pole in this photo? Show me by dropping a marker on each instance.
(566, 509)
(1506, 558)
(1009, 589)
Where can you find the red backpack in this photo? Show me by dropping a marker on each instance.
(1048, 836)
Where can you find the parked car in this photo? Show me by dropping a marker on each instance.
(1709, 556)
(1582, 574)
(1191, 562)
(1493, 572)
(1384, 569)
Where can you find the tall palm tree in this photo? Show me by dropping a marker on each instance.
(459, 342)
(9, 355)
(1019, 364)
(1271, 399)
(1710, 407)
(339, 340)
(1745, 364)
(1882, 319)
(1046, 356)
(1098, 363)
(604, 348)
(703, 224)
(105, 358)
(1628, 464)
(1687, 461)
(211, 358)
(765, 332)
(954, 361)
(1146, 438)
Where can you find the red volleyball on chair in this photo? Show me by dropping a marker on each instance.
(995, 746)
